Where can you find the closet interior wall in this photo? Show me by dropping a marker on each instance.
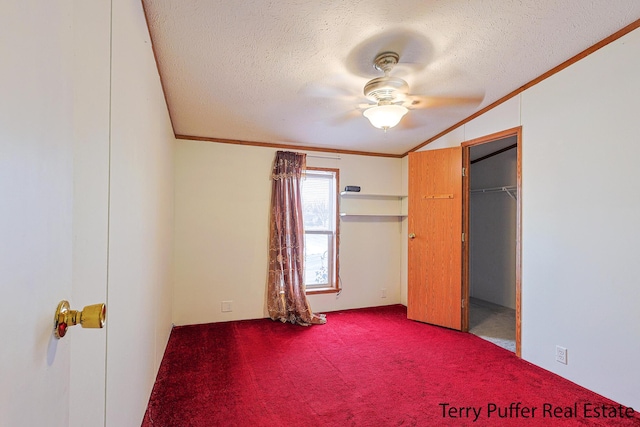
(492, 229)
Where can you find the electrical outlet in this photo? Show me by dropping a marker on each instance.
(561, 354)
(383, 293)
(226, 306)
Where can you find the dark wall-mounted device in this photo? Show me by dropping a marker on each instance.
(353, 188)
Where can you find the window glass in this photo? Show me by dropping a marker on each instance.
(316, 259)
(317, 201)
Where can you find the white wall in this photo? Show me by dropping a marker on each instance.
(404, 274)
(370, 247)
(580, 207)
(492, 230)
(140, 220)
(222, 225)
(581, 204)
(91, 88)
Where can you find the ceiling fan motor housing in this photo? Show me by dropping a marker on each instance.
(386, 89)
(391, 89)
(386, 61)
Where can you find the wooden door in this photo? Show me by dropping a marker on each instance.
(435, 237)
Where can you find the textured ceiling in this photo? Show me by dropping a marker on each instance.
(292, 71)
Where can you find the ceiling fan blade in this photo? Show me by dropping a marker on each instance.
(408, 122)
(419, 101)
(406, 69)
(325, 91)
(342, 119)
(364, 105)
(332, 86)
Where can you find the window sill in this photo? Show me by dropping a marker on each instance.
(314, 291)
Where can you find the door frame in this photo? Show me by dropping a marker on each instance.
(466, 163)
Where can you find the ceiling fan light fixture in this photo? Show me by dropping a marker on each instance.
(385, 116)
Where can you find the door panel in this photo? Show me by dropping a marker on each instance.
(36, 203)
(435, 253)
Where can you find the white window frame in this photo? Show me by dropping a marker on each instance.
(332, 234)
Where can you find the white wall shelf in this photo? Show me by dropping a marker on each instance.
(356, 204)
(372, 196)
(399, 215)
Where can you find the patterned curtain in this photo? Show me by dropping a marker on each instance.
(286, 298)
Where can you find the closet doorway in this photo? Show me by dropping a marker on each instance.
(491, 222)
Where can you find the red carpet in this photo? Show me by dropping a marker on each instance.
(366, 367)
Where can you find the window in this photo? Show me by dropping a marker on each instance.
(320, 215)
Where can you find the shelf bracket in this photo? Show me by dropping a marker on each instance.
(509, 193)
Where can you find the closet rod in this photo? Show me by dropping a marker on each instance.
(506, 189)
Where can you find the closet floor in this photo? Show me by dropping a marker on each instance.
(493, 323)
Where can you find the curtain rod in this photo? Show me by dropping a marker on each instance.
(318, 156)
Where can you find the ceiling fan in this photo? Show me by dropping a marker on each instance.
(391, 95)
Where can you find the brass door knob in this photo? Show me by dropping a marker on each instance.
(412, 235)
(92, 316)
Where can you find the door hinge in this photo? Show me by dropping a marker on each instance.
(463, 237)
(463, 303)
(464, 171)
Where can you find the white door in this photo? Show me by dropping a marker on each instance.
(46, 226)
(435, 242)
